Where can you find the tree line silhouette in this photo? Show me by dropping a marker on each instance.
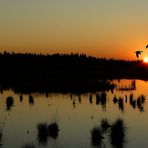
(64, 72)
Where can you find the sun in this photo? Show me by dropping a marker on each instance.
(145, 59)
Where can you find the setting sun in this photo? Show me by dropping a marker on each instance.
(145, 59)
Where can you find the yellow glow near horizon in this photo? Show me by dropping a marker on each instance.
(145, 59)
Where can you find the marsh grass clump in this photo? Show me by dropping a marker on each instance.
(42, 128)
(42, 133)
(53, 130)
(9, 102)
(29, 145)
(96, 136)
(112, 132)
(117, 134)
(46, 131)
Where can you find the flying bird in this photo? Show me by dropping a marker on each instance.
(138, 52)
(146, 46)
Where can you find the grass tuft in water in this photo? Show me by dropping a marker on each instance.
(53, 130)
(96, 136)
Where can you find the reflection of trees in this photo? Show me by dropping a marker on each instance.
(79, 98)
(102, 100)
(121, 104)
(98, 99)
(9, 102)
(134, 103)
(31, 100)
(21, 98)
(131, 86)
(139, 102)
(74, 103)
(90, 99)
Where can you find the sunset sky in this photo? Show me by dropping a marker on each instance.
(102, 28)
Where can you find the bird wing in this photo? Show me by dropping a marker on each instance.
(137, 55)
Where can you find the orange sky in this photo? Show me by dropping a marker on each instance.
(110, 28)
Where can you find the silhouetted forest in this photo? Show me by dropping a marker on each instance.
(64, 72)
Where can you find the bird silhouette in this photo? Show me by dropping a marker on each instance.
(138, 52)
(146, 46)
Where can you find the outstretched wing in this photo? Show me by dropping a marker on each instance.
(138, 52)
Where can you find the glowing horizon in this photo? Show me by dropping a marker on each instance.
(111, 28)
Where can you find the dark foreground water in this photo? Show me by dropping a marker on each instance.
(78, 117)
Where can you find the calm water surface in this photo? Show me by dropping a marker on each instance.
(76, 116)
